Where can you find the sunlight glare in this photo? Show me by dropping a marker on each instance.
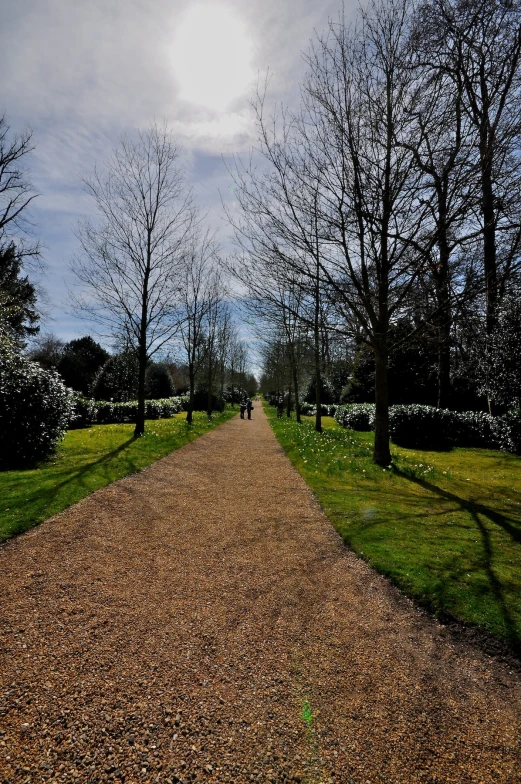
(212, 56)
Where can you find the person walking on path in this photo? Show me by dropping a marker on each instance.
(242, 408)
(249, 406)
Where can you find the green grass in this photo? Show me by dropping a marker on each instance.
(444, 526)
(87, 460)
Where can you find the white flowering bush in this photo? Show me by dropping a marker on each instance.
(35, 407)
(356, 416)
(508, 432)
(86, 412)
(421, 427)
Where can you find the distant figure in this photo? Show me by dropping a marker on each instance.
(249, 406)
(280, 407)
(242, 408)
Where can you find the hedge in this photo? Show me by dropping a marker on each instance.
(357, 416)
(86, 412)
(426, 427)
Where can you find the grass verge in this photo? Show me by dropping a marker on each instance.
(87, 460)
(444, 526)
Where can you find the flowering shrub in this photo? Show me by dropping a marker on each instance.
(508, 432)
(356, 416)
(475, 429)
(87, 412)
(35, 407)
(421, 427)
(308, 409)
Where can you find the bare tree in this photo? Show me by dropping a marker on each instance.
(277, 226)
(442, 141)
(197, 292)
(356, 101)
(131, 257)
(238, 357)
(216, 322)
(280, 301)
(477, 44)
(340, 204)
(15, 188)
(226, 337)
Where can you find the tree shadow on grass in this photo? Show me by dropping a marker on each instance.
(45, 496)
(477, 511)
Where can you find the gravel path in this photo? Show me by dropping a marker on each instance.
(201, 621)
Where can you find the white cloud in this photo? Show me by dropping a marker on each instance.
(81, 73)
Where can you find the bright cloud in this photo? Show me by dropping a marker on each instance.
(211, 56)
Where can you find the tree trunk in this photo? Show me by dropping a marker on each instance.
(297, 396)
(444, 312)
(444, 320)
(489, 241)
(444, 364)
(191, 395)
(142, 348)
(489, 248)
(222, 381)
(294, 376)
(140, 417)
(382, 452)
(288, 409)
(318, 374)
(232, 383)
(210, 387)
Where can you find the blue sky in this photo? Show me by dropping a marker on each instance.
(82, 73)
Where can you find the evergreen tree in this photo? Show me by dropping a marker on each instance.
(501, 362)
(17, 297)
(158, 382)
(118, 378)
(79, 363)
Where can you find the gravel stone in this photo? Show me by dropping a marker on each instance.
(173, 626)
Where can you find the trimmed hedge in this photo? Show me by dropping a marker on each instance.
(86, 412)
(308, 409)
(475, 429)
(201, 401)
(357, 416)
(426, 427)
(422, 427)
(35, 407)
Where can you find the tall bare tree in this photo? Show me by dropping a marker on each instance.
(277, 226)
(16, 192)
(132, 256)
(477, 44)
(442, 140)
(197, 294)
(356, 110)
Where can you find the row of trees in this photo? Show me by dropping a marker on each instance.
(391, 197)
(149, 272)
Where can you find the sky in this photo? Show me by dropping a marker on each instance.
(81, 74)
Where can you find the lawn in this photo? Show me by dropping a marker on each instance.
(444, 526)
(87, 460)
